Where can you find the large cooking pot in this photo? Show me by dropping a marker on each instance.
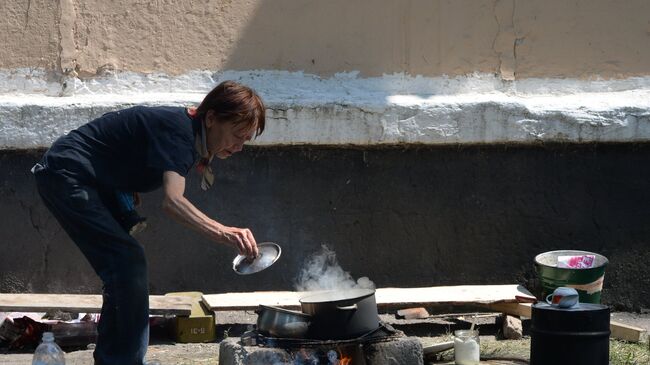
(341, 314)
(280, 322)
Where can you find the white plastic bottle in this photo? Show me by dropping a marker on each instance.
(48, 352)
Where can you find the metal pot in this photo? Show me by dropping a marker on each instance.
(341, 314)
(280, 322)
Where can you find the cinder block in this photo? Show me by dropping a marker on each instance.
(395, 351)
(231, 352)
(512, 328)
(401, 351)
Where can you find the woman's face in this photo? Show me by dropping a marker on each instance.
(224, 139)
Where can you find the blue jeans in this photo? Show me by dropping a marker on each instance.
(118, 259)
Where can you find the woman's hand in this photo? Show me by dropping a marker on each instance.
(240, 238)
(178, 207)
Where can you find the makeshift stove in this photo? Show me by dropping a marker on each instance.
(334, 327)
(382, 346)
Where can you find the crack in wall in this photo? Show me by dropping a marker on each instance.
(496, 36)
(406, 37)
(67, 47)
(514, 33)
(29, 6)
(33, 221)
(45, 239)
(505, 41)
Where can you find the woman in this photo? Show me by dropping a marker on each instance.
(138, 150)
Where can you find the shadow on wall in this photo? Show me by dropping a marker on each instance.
(556, 38)
(374, 37)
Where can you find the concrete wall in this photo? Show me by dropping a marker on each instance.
(401, 216)
(376, 110)
(522, 39)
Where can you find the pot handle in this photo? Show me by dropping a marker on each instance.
(347, 308)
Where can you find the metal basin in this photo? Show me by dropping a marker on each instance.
(283, 323)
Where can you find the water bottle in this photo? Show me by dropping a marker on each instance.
(48, 352)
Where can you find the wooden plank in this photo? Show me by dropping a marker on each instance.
(158, 304)
(620, 331)
(627, 332)
(513, 309)
(386, 297)
(450, 295)
(251, 300)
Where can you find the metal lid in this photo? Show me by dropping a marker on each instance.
(580, 307)
(269, 253)
(337, 295)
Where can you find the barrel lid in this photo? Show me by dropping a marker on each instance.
(580, 307)
(584, 317)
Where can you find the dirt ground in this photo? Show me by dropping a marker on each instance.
(429, 331)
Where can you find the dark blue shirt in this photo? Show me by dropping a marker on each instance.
(128, 149)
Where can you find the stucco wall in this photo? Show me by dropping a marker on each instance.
(338, 72)
(554, 38)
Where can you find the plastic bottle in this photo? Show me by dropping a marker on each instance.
(48, 352)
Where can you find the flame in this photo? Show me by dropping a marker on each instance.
(344, 359)
(305, 356)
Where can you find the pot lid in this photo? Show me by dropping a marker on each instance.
(337, 295)
(269, 253)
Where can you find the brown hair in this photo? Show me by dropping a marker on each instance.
(234, 102)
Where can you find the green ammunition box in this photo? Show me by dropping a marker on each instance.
(199, 326)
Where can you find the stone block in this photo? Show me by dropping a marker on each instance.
(512, 328)
(400, 351)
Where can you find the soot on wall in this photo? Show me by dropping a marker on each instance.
(414, 216)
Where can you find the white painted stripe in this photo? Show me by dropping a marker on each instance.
(346, 109)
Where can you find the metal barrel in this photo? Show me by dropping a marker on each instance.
(573, 336)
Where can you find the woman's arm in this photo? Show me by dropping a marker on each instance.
(178, 207)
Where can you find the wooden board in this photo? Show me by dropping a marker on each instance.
(158, 304)
(251, 300)
(513, 309)
(620, 331)
(386, 297)
(627, 332)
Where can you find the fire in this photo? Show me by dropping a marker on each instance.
(305, 356)
(345, 361)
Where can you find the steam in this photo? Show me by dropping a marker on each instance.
(323, 272)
